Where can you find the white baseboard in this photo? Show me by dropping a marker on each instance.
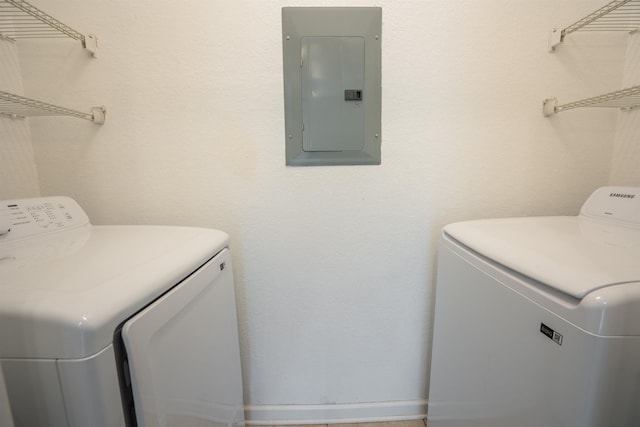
(259, 415)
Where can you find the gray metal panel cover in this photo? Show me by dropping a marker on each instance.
(332, 65)
(332, 85)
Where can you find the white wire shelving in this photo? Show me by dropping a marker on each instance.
(21, 20)
(625, 99)
(618, 15)
(16, 106)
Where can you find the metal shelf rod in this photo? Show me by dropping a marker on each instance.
(618, 15)
(628, 98)
(18, 19)
(43, 17)
(595, 16)
(19, 106)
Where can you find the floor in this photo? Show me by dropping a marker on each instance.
(416, 423)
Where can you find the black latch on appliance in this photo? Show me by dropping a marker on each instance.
(353, 95)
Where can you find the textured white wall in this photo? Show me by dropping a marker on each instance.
(334, 264)
(18, 175)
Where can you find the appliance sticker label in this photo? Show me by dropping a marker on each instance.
(551, 334)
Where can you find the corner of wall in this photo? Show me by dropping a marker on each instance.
(18, 173)
(626, 152)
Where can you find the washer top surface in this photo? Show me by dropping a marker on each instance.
(65, 289)
(575, 255)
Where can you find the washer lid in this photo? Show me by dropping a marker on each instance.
(574, 255)
(63, 294)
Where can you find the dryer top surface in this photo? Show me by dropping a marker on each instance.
(65, 292)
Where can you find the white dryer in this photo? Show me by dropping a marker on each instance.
(537, 320)
(108, 326)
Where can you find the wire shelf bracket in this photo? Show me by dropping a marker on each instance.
(21, 20)
(16, 106)
(618, 15)
(625, 99)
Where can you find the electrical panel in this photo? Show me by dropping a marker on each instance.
(332, 85)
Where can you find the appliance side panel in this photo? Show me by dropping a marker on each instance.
(6, 417)
(493, 366)
(91, 390)
(619, 383)
(34, 392)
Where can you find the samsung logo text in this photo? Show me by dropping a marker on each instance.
(622, 195)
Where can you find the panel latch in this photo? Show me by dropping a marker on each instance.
(353, 95)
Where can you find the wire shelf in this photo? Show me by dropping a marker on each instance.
(626, 99)
(17, 106)
(618, 15)
(21, 20)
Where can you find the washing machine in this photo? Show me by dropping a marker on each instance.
(537, 320)
(107, 326)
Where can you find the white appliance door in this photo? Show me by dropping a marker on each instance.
(183, 352)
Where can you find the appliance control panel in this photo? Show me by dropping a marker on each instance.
(23, 218)
(616, 204)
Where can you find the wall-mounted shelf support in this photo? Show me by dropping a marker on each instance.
(618, 15)
(625, 99)
(21, 20)
(17, 106)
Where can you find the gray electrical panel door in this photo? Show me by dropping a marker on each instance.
(331, 67)
(332, 85)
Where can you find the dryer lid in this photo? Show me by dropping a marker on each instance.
(64, 293)
(575, 255)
